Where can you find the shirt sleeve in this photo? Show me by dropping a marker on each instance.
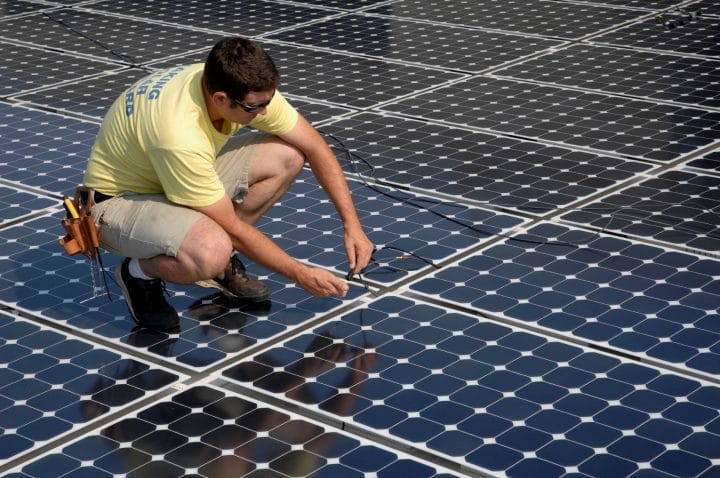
(280, 119)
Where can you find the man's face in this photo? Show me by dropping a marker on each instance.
(255, 103)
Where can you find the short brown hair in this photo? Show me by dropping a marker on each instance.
(238, 66)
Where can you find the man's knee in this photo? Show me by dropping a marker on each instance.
(208, 248)
(287, 160)
(292, 160)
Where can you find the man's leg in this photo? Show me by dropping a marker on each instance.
(172, 243)
(256, 171)
(275, 167)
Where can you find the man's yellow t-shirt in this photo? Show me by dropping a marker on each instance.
(157, 137)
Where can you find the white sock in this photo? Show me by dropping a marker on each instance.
(136, 271)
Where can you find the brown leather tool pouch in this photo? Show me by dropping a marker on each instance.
(81, 237)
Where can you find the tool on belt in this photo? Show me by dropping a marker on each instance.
(82, 236)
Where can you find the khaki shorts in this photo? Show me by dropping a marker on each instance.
(148, 225)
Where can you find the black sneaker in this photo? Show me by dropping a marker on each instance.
(146, 300)
(236, 285)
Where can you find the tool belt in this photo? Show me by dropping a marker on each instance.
(81, 237)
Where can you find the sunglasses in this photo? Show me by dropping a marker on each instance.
(253, 108)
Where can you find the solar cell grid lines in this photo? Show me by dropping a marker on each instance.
(699, 37)
(501, 399)
(250, 17)
(18, 73)
(43, 150)
(351, 81)
(643, 74)
(597, 121)
(540, 17)
(708, 162)
(52, 383)
(103, 36)
(519, 174)
(218, 433)
(635, 297)
(541, 180)
(90, 98)
(678, 207)
(445, 46)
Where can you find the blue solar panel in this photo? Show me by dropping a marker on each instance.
(504, 172)
(462, 49)
(536, 17)
(90, 98)
(677, 207)
(602, 122)
(636, 73)
(540, 178)
(52, 383)
(637, 298)
(491, 397)
(15, 204)
(218, 433)
(43, 150)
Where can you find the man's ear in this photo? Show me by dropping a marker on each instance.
(220, 98)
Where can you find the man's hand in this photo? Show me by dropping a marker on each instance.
(321, 283)
(359, 249)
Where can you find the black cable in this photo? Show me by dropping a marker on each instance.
(121, 56)
(614, 212)
(349, 155)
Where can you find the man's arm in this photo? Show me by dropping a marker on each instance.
(331, 177)
(252, 243)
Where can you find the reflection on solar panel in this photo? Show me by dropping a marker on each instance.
(541, 179)
(499, 398)
(218, 433)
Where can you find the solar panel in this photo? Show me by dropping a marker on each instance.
(214, 432)
(681, 79)
(114, 38)
(598, 121)
(697, 37)
(539, 177)
(707, 162)
(18, 7)
(52, 383)
(454, 48)
(536, 17)
(17, 74)
(16, 204)
(506, 172)
(43, 150)
(250, 18)
(91, 97)
(409, 231)
(346, 80)
(677, 207)
(633, 297)
(488, 396)
(60, 289)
